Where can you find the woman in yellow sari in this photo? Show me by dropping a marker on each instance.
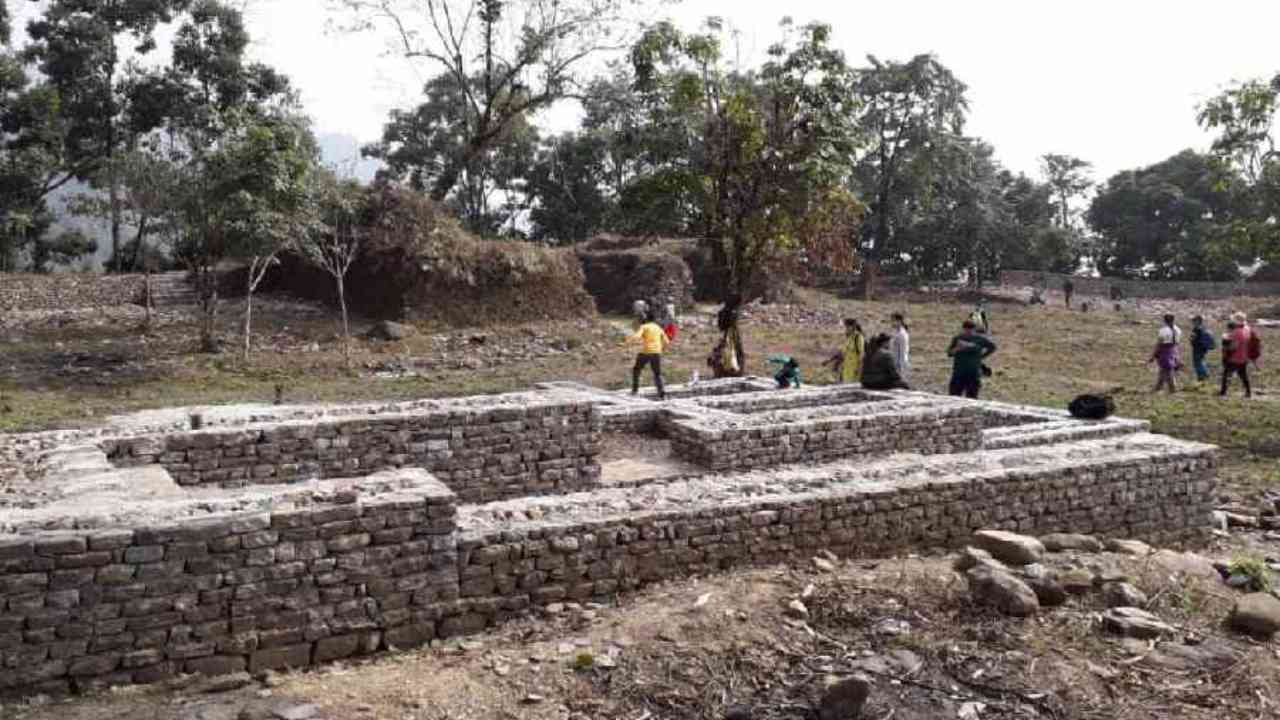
(851, 354)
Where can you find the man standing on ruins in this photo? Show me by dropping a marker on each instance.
(967, 351)
(653, 341)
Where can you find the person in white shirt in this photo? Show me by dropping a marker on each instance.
(1166, 355)
(900, 346)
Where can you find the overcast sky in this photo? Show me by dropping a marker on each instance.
(1115, 82)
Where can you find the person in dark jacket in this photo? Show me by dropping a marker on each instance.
(880, 368)
(1201, 343)
(967, 351)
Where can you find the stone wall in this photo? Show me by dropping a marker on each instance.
(249, 591)
(63, 291)
(483, 454)
(1103, 287)
(824, 434)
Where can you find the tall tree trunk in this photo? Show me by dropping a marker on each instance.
(248, 319)
(116, 223)
(346, 326)
(209, 306)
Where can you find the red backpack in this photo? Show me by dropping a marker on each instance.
(1255, 345)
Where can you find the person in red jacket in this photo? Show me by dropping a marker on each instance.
(1236, 355)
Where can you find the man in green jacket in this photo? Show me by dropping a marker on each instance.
(967, 351)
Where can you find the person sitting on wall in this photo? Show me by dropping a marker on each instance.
(880, 368)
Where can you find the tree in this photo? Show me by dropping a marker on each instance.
(1169, 221)
(1069, 178)
(77, 45)
(1244, 118)
(508, 58)
(777, 149)
(239, 158)
(334, 242)
(564, 186)
(418, 146)
(908, 109)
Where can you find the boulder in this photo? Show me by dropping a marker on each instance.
(844, 698)
(1257, 614)
(1058, 542)
(1212, 655)
(1048, 590)
(1136, 548)
(389, 331)
(1009, 547)
(1076, 581)
(1001, 590)
(1123, 594)
(1136, 623)
(971, 557)
(1186, 563)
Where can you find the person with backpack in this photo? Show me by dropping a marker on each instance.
(967, 351)
(1241, 345)
(1201, 343)
(1165, 355)
(653, 342)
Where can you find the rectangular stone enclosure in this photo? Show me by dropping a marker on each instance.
(287, 536)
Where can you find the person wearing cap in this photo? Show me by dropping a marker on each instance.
(967, 351)
(1235, 353)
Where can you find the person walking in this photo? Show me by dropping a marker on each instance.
(900, 346)
(1240, 346)
(880, 369)
(1165, 355)
(980, 319)
(653, 342)
(1068, 289)
(1201, 343)
(967, 351)
(670, 325)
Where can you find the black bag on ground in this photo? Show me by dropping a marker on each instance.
(1092, 407)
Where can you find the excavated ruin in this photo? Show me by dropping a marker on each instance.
(276, 536)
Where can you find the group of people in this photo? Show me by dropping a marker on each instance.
(884, 362)
(1241, 347)
(657, 327)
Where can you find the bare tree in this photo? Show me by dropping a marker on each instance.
(510, 58)
(335, 243)
(257, 270)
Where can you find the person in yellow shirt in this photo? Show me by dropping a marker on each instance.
(653, 341)
(855, 345)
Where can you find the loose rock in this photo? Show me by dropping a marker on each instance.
(1009, 547)
(844, 699)
(1123, 594)
(1135, 622)
(1003, 591)
(1257, 614)
(1137, 548)
(390, 331)
(971, 557)
(1186, 563)
(797, 610)
(1076, 581)
(1058, 542)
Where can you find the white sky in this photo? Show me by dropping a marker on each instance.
(1115, 82)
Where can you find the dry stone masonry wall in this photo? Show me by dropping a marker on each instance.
(125, 570)
(483, 454)
(1104, 287)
